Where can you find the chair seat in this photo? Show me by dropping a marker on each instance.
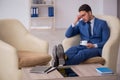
(28, 59)
(98, 60)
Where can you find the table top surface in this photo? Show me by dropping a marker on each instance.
(83, 71)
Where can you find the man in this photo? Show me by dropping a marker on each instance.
(93, 32)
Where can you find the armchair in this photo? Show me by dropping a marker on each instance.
(19, 48)
(110, 49)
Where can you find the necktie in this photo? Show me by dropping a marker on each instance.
(89, 28)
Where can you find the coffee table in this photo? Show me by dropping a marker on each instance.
(85, 72)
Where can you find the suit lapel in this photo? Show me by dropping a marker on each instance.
(95, 26)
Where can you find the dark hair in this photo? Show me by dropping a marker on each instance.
(85, 7)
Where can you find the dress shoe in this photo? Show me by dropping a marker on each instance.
(55, 61)
(61, 54)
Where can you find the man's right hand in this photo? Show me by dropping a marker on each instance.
(77, 19)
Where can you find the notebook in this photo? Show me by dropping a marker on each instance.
(104, 70)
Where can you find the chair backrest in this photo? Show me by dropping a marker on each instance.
(114, 25)
(12, 31)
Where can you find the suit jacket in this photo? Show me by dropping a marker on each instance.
(100, 35)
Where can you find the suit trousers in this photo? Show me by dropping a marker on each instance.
(77, 54)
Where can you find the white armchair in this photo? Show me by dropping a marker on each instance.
(110, 50)
(19, 48)
(8, 62)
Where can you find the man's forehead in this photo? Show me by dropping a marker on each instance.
(82, 12)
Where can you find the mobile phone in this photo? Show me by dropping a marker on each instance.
(67, 72)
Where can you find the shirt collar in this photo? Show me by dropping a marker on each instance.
(92, 21)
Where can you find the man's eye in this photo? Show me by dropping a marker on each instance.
(83, 15)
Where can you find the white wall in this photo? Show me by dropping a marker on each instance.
(66, 14)
(110, 7)
(18, 9)
(66, 10)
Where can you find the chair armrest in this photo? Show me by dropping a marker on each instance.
(8, 62)
(69, 42)
(32, 43)
(16, 35)
(110, 51)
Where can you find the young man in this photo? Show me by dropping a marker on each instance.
(93, 32)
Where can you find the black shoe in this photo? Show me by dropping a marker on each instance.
(55, 61)
(61, 54)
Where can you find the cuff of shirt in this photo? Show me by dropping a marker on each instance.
(95, 45)
(73, 25)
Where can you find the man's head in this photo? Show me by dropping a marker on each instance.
(85, 12)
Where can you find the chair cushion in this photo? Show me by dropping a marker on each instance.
(28, 59)
(99, 60)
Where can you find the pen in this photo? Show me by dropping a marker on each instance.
(54, 68)
(48, 69)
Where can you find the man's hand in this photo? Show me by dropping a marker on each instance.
(77, 19)
(90, 45)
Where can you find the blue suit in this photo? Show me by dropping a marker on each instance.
(78, 54)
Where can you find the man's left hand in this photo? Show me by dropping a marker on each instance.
(90, 45)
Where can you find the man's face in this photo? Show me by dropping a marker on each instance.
(86, 16)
